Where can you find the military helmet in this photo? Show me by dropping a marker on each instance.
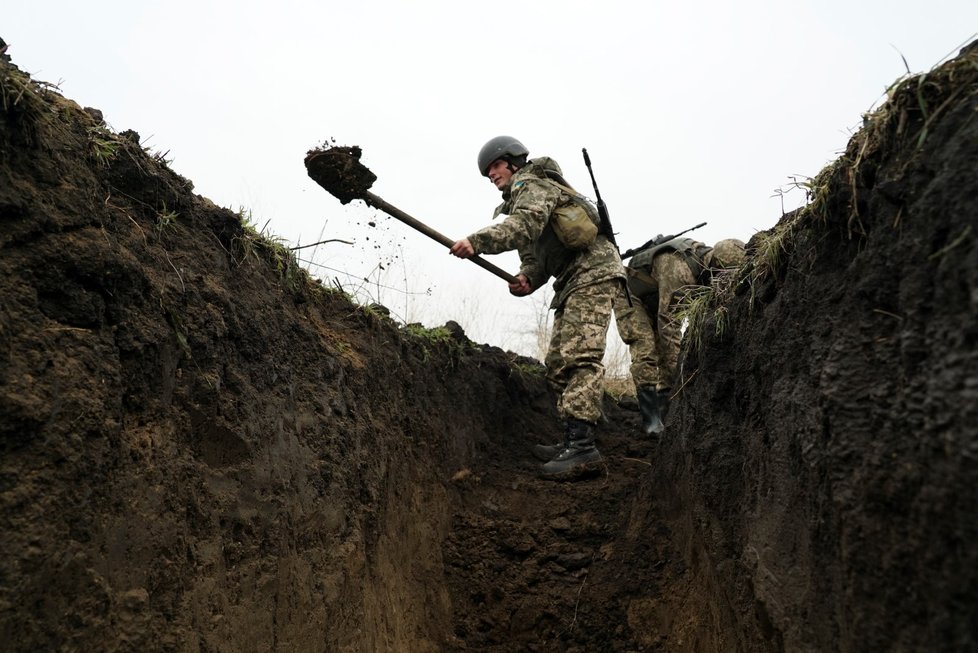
(727, 253)
(498, 148)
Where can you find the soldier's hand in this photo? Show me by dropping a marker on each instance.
(521, 287)
(462, 248)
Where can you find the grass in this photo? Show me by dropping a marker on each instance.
(25, 101)
(526, 368)
(375, 311)
(19, 93)
(434, 337)
(695, 307)
(161, 158)
(179, 331)
(102, 145)
(770, 254)
(273, 250)
(954, 243)
(258, 245)
(165, 221)
(913, 104)
(701, 306)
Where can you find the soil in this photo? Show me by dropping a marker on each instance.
(203, 449)
(338, 170)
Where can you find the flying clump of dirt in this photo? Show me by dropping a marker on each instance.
(338, 170)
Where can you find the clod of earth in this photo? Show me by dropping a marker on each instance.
(339, 171)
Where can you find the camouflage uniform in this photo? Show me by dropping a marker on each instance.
(672, 272)
(635, 329)
(585, 284)
(671, 269)
(574, 360)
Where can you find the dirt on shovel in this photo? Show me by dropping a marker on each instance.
(339, 171)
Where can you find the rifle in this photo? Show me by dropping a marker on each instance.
(602, 207)
(605, 220)
(658, 240)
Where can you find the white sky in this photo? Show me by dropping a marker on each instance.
(691, 112)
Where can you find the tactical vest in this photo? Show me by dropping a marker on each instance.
(552, 255)
(639, 267)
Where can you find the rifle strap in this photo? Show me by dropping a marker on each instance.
(628, 293)
(603, 227)
(641, 276)
(564, 187)
(592, 212)
(558, 179)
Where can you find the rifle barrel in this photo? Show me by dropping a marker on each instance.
(587, 162)
(658, 241)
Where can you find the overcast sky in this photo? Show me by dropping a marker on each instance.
(691, 112)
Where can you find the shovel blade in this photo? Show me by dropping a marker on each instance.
(339, 171)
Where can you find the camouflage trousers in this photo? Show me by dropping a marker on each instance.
(635, 329)
(673, 276)
(574, 360)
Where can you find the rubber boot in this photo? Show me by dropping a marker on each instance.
(578, 455)
(664, 396)
(649, 406)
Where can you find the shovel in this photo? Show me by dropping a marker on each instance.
(339, 171)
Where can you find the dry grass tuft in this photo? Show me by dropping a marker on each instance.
(25, 101)
(913, 104)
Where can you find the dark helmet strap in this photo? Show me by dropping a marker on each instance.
(514, 163)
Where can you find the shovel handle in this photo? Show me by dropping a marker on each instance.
(393, 211)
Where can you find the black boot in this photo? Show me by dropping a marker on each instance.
(546, 452)
(650, 407)
(664, 396)
(578, 455)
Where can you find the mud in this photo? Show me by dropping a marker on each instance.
(203, 449)
(338, 170)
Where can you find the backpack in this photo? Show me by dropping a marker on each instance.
(575, 222)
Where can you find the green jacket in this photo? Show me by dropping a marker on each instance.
(529, 203)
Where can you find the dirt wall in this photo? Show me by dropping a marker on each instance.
(820, 466)
(202, 450)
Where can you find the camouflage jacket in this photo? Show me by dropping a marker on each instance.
(689, 248)
(528, 204)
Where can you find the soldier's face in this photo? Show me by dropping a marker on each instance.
(500, 174)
